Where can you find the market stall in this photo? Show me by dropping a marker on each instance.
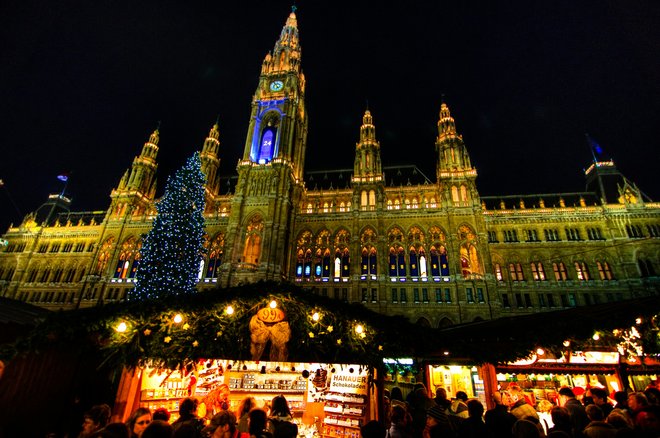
(543, 374)
(333, 400)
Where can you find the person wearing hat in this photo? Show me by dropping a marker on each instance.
(222, 425)
(579, 419)
(437, 424)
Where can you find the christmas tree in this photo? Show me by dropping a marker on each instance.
(172, 250)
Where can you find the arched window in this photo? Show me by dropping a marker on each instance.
(454, 194)
(464, 193)
(300, 262)
(128, 260)
(307, 272)
(538, 273)
(414, 264)
(516, 272)
(104, 256)
(582, 271)
(498, 272)
(345, 263)
(372, 198)
(364, 198)
(326, 264)
(422, 263)
(560, 271)
(337, 270)
(604, 270)
(216, 252)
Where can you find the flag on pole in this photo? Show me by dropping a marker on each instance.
(64, 176)
(596, 150)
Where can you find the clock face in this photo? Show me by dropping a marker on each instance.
(276, 85)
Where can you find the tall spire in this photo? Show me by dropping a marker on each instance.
(285, 57)
(456, 176)
(453, 154)
(136, 188)
(211, 162)
(367, 165)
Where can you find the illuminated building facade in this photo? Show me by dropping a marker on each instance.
(431, 249)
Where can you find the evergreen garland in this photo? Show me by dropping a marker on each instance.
(172, 250)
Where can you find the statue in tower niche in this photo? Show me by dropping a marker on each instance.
(269, 325)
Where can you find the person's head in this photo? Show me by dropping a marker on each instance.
(279, 407)
(435, 415)
(246, 405)
(565, 394)
(594, 412)
(112, 430)
(139, 420)
(285, 429)
(396, 394)
(441, 393)
(525, 429)
(652, 395)
(475, 408)
(619, 419)
(560, 416)
(462, 396)
(222, 425)
(544, 406)
(257, 421)
(161, 414)
(621, 398)
(398, 415)
(599, 396)
(373, 429)
(514, 393)
(96, 418)
(158, 429)
(648, 420)
(637, 400)
(188, 407)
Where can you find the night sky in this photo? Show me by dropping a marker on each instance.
(83, 84)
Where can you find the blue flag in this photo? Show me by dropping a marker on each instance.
(596, 150)
(64, 177)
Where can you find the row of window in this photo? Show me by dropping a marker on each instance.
(537, 270)
(549, 300)
(635, 231)
(65, 247)
(56, 275)
(67, 297)
(550, 235)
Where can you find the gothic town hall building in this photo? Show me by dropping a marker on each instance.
(398, 241)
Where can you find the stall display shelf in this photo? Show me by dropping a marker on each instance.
(158, 395)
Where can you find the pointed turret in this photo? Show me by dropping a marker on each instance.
(135, 188)
(211, 163)
(367, 167)
(368, 175)
(455, 173)
(285, 57)
(453, 154)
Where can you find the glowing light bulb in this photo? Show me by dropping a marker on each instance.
(273, 304)
(567, 343)
(178, 318)
(595, 337)
(359, 329)
(638, 321)
(121, 328)
(229, 310)
(540, 351)
(316, 316)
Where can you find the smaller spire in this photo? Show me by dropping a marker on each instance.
(446, 124)
(155, 136)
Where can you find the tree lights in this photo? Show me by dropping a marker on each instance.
(172, 250)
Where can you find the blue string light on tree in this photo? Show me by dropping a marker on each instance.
(172, 251)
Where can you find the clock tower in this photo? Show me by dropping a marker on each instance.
(270, 173)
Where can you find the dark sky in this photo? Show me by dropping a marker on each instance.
(82, 85)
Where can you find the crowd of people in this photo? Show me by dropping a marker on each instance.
(576, 414)
(249, 421)
(590, 414)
